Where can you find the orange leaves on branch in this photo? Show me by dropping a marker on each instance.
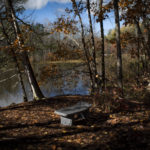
(65, 25)
(133, 9)
(20, 48)
(16, 43)
(101, 13)
(125, 3)
(125, 37)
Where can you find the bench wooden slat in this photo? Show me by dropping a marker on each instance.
(79, 107)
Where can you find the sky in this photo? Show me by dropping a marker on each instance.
(44, 11)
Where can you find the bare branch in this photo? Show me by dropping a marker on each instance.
(75, 41)
(8, 78)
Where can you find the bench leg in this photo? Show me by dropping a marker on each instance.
(82, 116)
(66, 121)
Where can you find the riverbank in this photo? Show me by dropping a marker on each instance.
(33, 126)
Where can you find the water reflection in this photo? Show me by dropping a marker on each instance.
(66, 83)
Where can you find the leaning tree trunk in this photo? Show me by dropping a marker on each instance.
(19, 75)
(93, 43)
(119, 55)
(87, 53)
(102, 44)
(37, 94)
(17, 64)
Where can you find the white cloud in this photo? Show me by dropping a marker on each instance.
(60, 10)
(37, 4)
(60, 1)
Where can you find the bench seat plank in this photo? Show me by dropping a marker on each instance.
(79, 107)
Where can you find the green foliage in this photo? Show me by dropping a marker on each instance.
(124, 29)
(111, 35)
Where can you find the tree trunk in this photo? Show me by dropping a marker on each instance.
(102, 44)
(144, 43)
(20, 76)
(37, 94)
(93, 42)
(146, 23)
(138, 55)
(138, 52)
(87, 53)
(17, 64)
(119, 55)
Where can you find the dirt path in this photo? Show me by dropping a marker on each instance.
(34, 126)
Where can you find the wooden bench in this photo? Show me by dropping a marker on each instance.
(68, 114)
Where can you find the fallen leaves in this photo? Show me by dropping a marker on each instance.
(80, 127)
(53, 147)
(64, 131)
(39, 123)
(1, 126)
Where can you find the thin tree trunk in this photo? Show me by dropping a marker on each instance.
(119, 55)
(138, 52)
(87, 54)
(37, 94)
(138, 55)
(17, 64)
(144, 43)
(20, 76)
(102, 45)
(92, 38)
(146, 23)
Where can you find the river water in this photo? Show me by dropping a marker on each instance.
(66, 81)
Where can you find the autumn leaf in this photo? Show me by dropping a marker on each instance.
(53, 147)
(64, 131)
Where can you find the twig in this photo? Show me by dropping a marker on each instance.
(8, 78)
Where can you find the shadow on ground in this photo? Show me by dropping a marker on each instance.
(44, 132)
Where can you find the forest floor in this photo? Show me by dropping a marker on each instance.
(34, 126)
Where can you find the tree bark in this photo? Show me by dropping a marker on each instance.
(144, 43)
(37, 94)
(138, 51)
(146, 26)
(102, 44)
(92, 39)
(17, 64)
(119, 55)
(146, 23)
(87, 53)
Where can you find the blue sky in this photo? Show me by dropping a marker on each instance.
(50, 11)
(43, 11)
